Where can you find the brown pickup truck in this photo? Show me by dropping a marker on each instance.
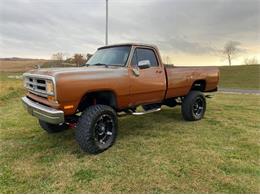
(114, 82)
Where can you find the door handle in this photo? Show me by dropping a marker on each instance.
(159, 71)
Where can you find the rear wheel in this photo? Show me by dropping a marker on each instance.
(51, 128)
(193, 106)
(96, 130)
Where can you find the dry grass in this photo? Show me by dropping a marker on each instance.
(19, 65)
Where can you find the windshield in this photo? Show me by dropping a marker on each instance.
(110, 56)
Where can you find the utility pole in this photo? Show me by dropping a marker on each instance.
(106, 22)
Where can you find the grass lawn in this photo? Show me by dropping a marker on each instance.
(155, 153)
(240, 77)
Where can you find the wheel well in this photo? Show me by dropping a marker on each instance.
(100, 97)
(199, 85)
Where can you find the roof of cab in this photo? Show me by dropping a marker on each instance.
(128, 44)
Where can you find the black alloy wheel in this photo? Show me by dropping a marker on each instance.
(198, 107)
(104, 128)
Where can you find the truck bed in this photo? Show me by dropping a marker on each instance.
(181, 79)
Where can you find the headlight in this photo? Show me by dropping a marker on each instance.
(49, 87)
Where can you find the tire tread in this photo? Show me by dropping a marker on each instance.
(186, 107)
(84, 128)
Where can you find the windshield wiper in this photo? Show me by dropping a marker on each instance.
(97, 64)
(100, 64)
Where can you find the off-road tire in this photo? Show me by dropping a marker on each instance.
(188, 104)
(52, 128)
(86, 129)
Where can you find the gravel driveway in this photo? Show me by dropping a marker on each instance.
(239, 91)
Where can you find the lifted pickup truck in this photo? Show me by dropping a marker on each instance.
(115, 81)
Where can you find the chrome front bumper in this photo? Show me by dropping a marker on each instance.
(44, 113)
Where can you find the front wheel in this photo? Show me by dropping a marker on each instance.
(193, 106)
(96, 130)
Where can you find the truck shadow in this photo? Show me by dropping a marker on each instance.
(138, 125)
(129, 127)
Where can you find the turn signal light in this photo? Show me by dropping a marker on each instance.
(51, 98)
(68, 107)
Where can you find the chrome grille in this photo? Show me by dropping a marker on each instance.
(36, 85)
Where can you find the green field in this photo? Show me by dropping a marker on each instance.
(155, 153)
(240, 77)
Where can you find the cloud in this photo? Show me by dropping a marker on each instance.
(201, 27)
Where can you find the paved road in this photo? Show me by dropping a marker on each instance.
(239, 91)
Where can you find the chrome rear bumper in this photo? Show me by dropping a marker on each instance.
(44, 113)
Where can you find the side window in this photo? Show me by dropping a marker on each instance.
(144, 55)
(134, 59)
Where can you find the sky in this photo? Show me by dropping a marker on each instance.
(187, 32)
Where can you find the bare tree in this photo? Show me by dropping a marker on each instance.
(230, 50)
(166, 59)
(58, 57)
(251, 61)
(78, 59)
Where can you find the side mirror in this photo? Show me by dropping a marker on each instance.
(143, 64)
(136, 71)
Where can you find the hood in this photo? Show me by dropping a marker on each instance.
(76, 70)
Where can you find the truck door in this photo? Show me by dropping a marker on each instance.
(147, 77)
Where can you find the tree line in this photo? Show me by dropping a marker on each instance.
(230, 51)
(77, 59)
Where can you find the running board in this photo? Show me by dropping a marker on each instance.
(146, 112)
